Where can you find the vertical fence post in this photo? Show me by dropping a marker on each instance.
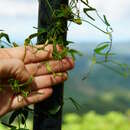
(43, 121)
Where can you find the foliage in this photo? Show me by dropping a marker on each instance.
(92, 121)
(54, 35)
(112, 120)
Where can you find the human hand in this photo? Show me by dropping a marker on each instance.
(15, 64)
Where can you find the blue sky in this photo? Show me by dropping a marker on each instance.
(17, 17)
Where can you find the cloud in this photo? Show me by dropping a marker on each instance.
(117, 12)
(13, 8)
(19, 16)
(115, 9)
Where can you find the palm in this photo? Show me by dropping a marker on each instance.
(9, 101)
(6, 97)
(13, 65)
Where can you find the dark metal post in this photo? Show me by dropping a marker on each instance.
(42, 121)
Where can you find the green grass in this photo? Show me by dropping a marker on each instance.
(92, 121)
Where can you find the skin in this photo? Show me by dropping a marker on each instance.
(15, 64)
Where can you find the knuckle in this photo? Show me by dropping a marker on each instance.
(49, 92)
(65, 76)
(59, 48)
(70, 62)
(18, 63)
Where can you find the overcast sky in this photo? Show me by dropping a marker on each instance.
(17, 17)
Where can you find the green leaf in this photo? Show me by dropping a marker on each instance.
(15, 44)
(2, 46)
(13, 128)
(94, 60)
(77, 106)
(77, 21)
(22, 129)
(23, 114)
(8, 125)
(25, 93)
(69, 42)
(55, 109)
(40, 32)
(85, 10)
(4, 35)
(88, 9)
(22, 86)
(14, 116)
(73, 52)
(64, 52)
(28, 82)
(122, 73)
(60, 14)
(85, 2)
(48, 67)
(101, 48)
(14, 85)
(106, 21)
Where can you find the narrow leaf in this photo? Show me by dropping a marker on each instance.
(101, 48)
(8, 125)
(13, 116)
(22, 129)
(77, 106)
(77, 21)
(85, 10)
(106, 21)
(55, 109)
(4, 35)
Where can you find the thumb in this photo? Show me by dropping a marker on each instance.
(13, 68)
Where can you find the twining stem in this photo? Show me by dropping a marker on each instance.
(94, 26)
(50, 7)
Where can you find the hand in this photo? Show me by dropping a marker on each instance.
(15, 64)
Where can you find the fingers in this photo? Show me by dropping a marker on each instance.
(13, 68)
(34, 97)
(52, 66)
(40, 82)
(34, 55)
(29, 54)
(48, 80)
(40, 91)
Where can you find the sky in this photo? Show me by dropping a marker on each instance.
(18, 17)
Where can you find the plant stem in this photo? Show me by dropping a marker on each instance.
(50, 7)
(19, 121)
(94, 26)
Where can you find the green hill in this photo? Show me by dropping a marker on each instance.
(102, 91)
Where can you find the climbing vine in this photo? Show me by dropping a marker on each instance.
(54, 35)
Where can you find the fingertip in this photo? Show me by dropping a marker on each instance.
(71, 62)
(64, 76)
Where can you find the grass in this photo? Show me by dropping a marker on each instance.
(92, 121)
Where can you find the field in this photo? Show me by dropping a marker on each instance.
(93, 121)
(104, 90)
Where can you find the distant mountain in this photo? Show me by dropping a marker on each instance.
(102, 91)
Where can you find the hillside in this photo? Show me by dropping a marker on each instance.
(102, 91)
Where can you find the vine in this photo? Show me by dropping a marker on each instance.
(73, 14)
